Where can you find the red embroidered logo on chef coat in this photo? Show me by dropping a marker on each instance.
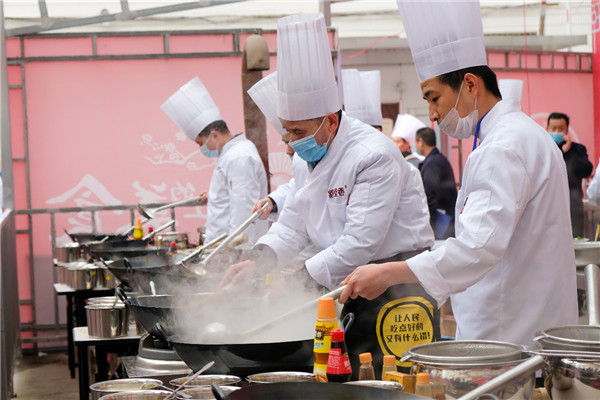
(337, 192)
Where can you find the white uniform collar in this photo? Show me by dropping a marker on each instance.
(232, 142)
(501, 108)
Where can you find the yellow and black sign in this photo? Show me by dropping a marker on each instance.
(404, 323)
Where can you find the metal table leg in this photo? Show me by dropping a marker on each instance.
(70, 346)
(84, 381)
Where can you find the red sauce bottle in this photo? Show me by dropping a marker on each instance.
(338, 363)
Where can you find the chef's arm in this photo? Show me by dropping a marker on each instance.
(372, 202)
(486, 220)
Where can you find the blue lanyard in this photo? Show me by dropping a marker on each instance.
(477, 129)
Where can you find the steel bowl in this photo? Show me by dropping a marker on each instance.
(106, 320)
(203, 392)
(283, 376)
(138, 395)
(464, 352)
(207, 380)
(104, 388)
(570, 337)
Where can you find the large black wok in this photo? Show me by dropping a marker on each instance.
(247, 358)
(315, 391)
(120, 249)
(96, 237)
(164, 270)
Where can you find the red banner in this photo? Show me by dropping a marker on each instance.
(596, 70)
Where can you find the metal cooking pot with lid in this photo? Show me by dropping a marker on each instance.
(463, 365)
(69, 252)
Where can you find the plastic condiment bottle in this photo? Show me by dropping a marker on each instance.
(423, 387)
(366, 371)
(173, 248)
(326, 322)
(389, 365)
(150, 230)
(338, 363)
(138, 231)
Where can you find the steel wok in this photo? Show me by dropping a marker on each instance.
(315, 390)
(96, 237)
(165, 270)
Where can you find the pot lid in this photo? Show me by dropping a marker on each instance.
(465, 352)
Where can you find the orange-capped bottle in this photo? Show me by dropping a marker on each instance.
(326, 322)
(138, 231)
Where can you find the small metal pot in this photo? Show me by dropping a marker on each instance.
(107, 321)
(138, 395)
(69, 252)
(164, 239)
(84, 277)
(204, 380)
(203, 392)
(284, 376)
(104, 388)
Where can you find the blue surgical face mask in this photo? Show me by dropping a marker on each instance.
(208, 152)
(558, 137)
(307, 147)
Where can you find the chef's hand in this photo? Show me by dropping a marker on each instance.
(203, 198)
(238, 273)
(259, 205)
(370, 281)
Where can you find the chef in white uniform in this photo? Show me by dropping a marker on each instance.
(239, 178)
(360, 201)
(264, 95)
(510, 269)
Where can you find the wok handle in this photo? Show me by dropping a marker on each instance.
(121, 293)
(234, 234)
(526, 367)
(593, 302)
(162, 333)
(348, 321)
(160, 228)
(218, 392)
(178, 203)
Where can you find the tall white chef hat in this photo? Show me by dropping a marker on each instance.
(362, 95)
(406, 127)
(191, 108)
(264, 94)
(511, 88)
(305, 77)
(444, 36)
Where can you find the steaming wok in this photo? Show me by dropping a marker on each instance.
(162, 269)
(96, 237)
(316, 390)
(246, 358)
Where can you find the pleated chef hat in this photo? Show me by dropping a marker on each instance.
(362, 95)
(191, 108)
(305, 77)
(406, 127)
(264, 94)
(444, 36)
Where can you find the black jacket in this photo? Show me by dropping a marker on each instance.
(440, 187)
(578, 167)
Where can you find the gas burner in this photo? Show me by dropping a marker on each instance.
(155, 360)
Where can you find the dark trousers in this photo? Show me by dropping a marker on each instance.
(403, 316)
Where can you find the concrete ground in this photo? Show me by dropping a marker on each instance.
(44, 377)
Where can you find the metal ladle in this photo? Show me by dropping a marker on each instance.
(150, 214)
(188, 380)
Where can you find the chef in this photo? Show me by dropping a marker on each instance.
(362, 96)
(360, 202)
(239, 178)
(404, 133)
(264, 95)
(510, 269)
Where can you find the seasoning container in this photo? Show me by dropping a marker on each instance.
(366, 371)
(338, 363)
(173, 248)
(138, 231)
(437, 387)
(423, 387)
(389, 365)
(326, 323)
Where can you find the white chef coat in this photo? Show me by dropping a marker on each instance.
(593, 191)
(360, 203)
(238, 182)
(300, 172)
(511, 268)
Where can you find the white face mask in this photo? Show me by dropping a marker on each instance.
(456, 127)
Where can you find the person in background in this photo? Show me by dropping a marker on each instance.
(239, 178)
(508, 231)
(403, 135)
(362, 96)
(439, 183)
(360, 202)
(578, 166)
